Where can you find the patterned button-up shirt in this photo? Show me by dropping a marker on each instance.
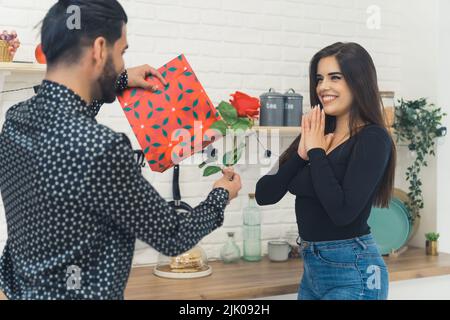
(75, 202)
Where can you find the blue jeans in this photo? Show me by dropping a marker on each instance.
(343, 270)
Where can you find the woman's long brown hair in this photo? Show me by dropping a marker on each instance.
(360, 74)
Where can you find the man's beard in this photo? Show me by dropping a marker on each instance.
(107, 82)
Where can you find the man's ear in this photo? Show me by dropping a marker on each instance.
(99, 54)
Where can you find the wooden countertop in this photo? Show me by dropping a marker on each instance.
(248, 280)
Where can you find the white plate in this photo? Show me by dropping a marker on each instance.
(187, 275)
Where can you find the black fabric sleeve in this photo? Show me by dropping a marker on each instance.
(119, 192)
(344, 202)
(272, 187)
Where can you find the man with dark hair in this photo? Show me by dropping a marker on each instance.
(74, 197)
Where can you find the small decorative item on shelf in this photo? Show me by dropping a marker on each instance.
(293, 108)
(238, 116)
(432, 244)
(230, 252)
(9, 43)
(272, 109)
(39, 54)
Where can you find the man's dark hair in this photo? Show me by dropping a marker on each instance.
(98, 18)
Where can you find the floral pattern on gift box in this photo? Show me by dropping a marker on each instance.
(157, 116)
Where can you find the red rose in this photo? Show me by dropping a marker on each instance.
(245, 105)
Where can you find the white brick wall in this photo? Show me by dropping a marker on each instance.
(247, 45)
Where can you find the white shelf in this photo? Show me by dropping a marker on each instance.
(25, 67)
(8, 69)
(291, 131)
(281, 130)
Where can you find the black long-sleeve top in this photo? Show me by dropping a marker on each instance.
(334, 192)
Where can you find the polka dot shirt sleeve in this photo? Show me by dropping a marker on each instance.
(120, 192)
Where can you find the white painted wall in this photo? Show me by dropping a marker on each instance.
(443, 158)
(251, 45)
(419, 61)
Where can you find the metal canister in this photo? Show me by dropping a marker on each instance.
(293, 108)
(272, 109)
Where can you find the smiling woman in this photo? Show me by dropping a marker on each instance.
(341, 164)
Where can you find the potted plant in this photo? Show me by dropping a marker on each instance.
(432, 244)
(418, 123)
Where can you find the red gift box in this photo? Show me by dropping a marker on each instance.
(172, 123)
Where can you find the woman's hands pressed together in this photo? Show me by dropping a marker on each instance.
(313, 133)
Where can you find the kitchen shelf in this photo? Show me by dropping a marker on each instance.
(281, 130)
(291, 130)
(22, 67)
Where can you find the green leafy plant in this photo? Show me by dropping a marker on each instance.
(432, 236)
(418, 123)
(231, 122)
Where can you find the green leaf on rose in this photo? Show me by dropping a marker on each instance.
(242, 124)
(209, 171)
(228, 113)
(221, 126)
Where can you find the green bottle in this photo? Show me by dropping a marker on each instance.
(252, 230)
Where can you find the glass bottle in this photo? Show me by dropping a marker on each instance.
(252, 230)
(230, 252)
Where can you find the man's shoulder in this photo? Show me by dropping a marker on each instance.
(102, 137)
